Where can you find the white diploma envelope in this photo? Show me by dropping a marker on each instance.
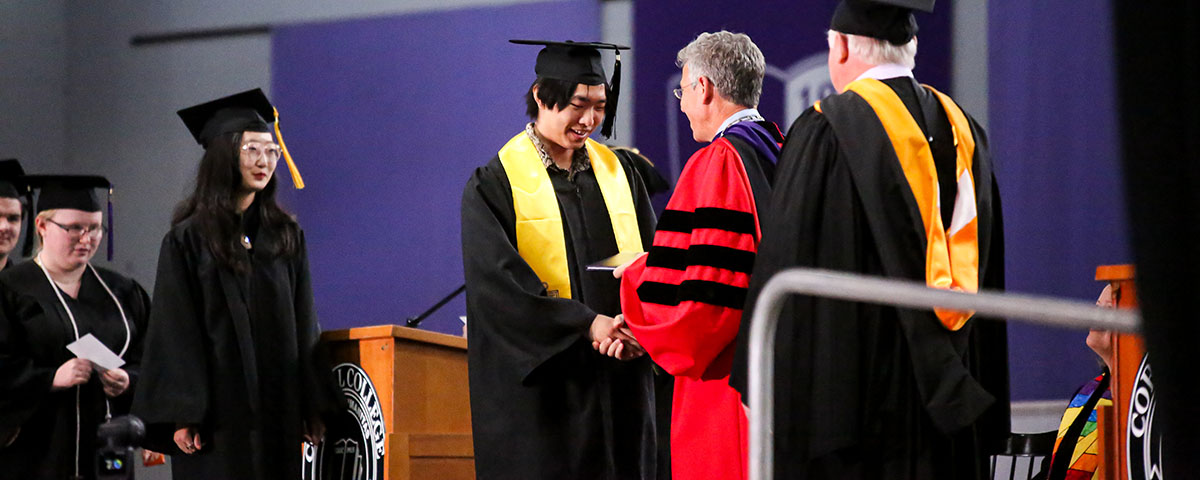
(90, 349)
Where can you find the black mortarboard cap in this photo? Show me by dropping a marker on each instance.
(248, 111)
(75, 192)
(890, 20)
(579, 62)
(10, 179)
(240, 112)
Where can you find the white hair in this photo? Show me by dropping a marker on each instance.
(731, 60)
(877, 51)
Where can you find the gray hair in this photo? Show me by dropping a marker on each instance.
(878, 52)
(731, 60)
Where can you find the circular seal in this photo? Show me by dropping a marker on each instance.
(1143, 442)
(354, 441)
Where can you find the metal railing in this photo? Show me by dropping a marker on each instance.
(900, 293)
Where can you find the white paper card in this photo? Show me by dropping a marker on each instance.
(90, 349)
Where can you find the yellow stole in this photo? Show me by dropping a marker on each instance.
(951, 255)
(540, 239)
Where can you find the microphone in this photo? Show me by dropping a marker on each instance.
(414, 321)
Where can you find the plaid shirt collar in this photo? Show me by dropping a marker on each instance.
(579, 160)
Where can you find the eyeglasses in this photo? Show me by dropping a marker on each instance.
(78, 231)
(679, 91)
(259, 150)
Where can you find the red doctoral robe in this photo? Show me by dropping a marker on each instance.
(684, 300)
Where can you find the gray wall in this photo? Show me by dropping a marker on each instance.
(33, 65)
(971, 57)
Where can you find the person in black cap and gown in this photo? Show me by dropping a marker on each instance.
(544, 402)
(234, 379)
(12, 211)
(886, 178)
(50, 401)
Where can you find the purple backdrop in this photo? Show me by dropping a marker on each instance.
(387, 118)
(1054, 135)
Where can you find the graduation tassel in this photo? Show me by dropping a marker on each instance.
(296, 180)
(610, 114)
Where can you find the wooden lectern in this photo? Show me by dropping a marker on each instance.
(1128, 350)
(421, 381)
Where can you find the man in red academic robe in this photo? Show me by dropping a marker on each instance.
(683, 301)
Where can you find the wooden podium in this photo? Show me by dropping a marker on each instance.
(420, 378)
(1128, 350)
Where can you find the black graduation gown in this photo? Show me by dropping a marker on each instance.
(235, 354)
(544, 404)
(866, 391)
(34, 333)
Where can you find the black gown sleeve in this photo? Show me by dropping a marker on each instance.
(806, 162)
(506, 302)
(24, 385)
(174, 386)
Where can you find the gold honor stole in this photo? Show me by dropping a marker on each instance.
(951, 255)
(540, 239)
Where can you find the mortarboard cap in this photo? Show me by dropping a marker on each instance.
(890, 20)
(75, 192)
(241, 112)
(11, 174)
(579, 62)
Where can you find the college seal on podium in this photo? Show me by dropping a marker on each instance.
(354, 442)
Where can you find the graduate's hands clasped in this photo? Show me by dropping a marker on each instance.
(611, 337)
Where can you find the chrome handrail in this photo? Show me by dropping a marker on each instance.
(902, 293)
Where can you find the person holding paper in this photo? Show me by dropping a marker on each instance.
(51, 401)
(544, 403)
(233, 378)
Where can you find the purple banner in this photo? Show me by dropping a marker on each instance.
(1054, 136)
(387, 118)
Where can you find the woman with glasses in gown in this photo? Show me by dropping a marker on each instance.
(234, 379)
(50, 401)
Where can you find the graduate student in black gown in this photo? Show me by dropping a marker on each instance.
(234, 379)
(545, 404)
(12, 211)
(887, 178)
(50, 401)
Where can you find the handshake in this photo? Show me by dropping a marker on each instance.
(611, 337)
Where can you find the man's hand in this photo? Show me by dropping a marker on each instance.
(188, 440)
(611, 337)
(115, 381)
(620, 271)
(75, 371)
